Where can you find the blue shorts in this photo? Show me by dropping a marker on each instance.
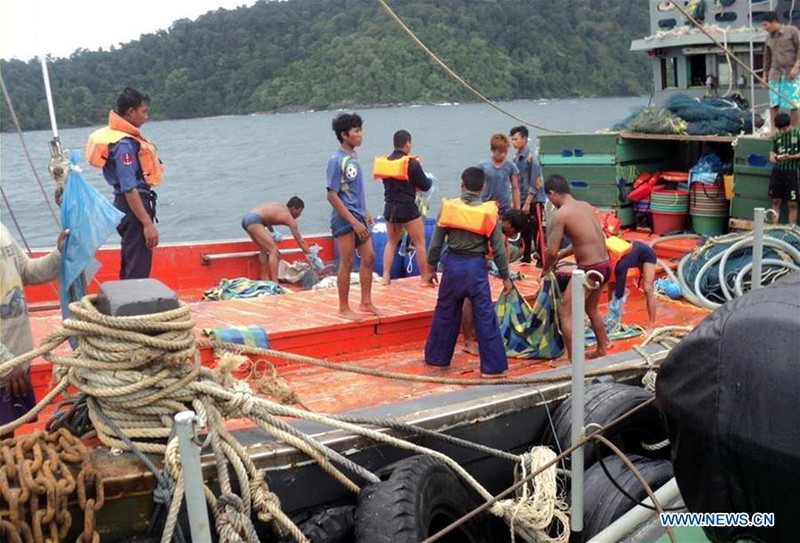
(250, 219)
(789, 97)
(340, 227)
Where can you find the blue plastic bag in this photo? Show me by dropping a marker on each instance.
(90, 219)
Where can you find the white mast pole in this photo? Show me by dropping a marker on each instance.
(49, 93)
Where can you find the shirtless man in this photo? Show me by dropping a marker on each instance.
(578, 221)
(258, 224)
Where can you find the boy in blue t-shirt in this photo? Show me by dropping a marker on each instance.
(350, 218)
(502, 183)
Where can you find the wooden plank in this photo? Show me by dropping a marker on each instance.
(675, 137)
(583, 160)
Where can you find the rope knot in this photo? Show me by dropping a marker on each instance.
(241, 403)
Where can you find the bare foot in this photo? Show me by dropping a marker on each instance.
(370, 308)
(351, 315)
(471, 348)
(386, 281)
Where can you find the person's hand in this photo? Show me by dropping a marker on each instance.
(62, 236)
(508, 286)
(773, 157)
(151, 235)
(370, 219)
(360, 230)
(526, 207)
(793, 73)
(18, 382)
(764, 85)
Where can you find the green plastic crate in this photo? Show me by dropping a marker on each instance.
(750, 186)
(586, 144)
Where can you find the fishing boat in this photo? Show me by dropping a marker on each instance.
(369, 372)
(700, 52)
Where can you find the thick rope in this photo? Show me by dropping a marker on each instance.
(457, 77)
(353, 368)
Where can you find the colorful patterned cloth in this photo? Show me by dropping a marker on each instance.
(531, 331)
(241, 287)
(619, 331)
(253, 336)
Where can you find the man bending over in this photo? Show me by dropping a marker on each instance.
(578, 221)
(258, 224)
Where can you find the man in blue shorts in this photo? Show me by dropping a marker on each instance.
(259, 222)
(350, 218)
(781, 66)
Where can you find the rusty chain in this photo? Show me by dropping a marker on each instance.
(36, 482)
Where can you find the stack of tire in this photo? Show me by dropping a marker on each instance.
(641, 437)
(417, 497)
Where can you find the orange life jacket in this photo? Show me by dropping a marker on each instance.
(397, 168)
(479, 219)
(99, 141)
(609, 222)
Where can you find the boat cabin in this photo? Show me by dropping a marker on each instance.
(685, 59)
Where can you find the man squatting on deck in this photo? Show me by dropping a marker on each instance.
(131, 165)
(349, 217)
(468, 227)
(17, 270)
(258, 223)
(402, 176)
(781, 66)
(578, 220)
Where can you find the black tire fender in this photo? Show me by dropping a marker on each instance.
(603, 403)
(422, 496)
(604, 503)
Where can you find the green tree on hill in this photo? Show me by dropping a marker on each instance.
(318, 54)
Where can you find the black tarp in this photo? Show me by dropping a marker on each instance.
(731, 394)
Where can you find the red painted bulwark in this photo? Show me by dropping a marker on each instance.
(180, 266)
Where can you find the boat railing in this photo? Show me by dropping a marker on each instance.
(208, 258)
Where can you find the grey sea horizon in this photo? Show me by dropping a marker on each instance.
(218, 168)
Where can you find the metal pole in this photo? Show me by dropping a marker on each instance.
(752, 76)
(758, 247)
(49, 94)
(578, 344)
(193, 478)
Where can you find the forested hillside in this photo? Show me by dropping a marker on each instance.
(303, 54)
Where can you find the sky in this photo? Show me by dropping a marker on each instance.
(30, 28)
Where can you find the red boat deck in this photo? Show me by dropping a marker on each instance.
(306, 323)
